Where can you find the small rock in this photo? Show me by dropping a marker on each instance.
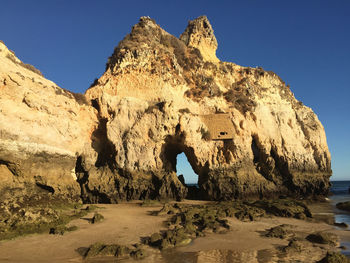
(323, 238)
(176, 219)
(82, 251)
(165, 244)
(278, 232)
(167, 209)
(95, 249)
(57, 230)
(334, 257)
(156, 239)
(122, 251)
(344, 225)
(138, 253)
(190, 228)
(183, 242)
(343, 206)
(108, 250)
(294, 246)
(97, 218)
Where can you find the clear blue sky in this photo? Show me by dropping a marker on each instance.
(307, 43)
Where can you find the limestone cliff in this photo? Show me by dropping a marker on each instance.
(42, 130)
(241, 128)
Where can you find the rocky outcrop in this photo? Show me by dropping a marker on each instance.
(152, 103)
(42, 130)
(200, 35)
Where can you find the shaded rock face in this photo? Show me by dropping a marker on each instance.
(148, 107)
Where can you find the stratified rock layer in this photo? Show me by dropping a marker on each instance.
(156, 100)
(42, 129)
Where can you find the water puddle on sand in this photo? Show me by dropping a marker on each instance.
(219, 255)
(328, 213)
(209, 256)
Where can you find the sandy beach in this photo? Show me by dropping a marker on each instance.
(128, 223)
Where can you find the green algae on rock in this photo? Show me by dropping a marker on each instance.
(38, 216)
(61, 229)
(111, 250)
(335, 257)
(280, 231)
(190, 221)
(96, 218)
(323, 238)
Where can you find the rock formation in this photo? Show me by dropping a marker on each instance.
(42, 129)
(159, 96)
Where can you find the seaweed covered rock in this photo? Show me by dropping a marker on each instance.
(156, 239)
(279, 232)
(249, 213)
(342, 224)
(61, 229)
(175, 238)
(96, 218)
(40, 216)
(285, 208)
(335, 257)
(323, 238)
(111, 250)
(190, 221)
(294, 246)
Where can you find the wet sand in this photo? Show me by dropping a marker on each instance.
(123, 224)
(327, 212)
(244, 243)
(127, 223)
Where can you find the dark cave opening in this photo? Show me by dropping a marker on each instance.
(103, 146)
(256, 151)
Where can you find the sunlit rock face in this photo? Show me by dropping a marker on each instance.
(157, 99)
(42, 129)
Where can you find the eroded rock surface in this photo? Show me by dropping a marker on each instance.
(43, 128)
(120, 140)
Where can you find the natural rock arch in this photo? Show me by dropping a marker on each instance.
(172, 147)
(185, 171)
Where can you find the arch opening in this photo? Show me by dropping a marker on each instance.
(184, 170)
(187, 176)
(179, 158)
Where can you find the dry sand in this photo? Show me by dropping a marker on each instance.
(127, 223)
